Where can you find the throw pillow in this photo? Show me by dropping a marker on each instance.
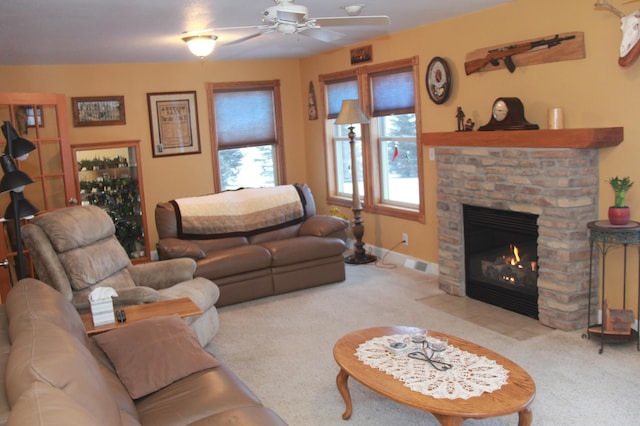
(153, 353)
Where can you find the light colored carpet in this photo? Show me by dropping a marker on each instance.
(281, 347)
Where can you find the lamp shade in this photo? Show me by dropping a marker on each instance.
(350, 113)
(13, 179)
(25, 208)
(17, 147)
(201, 45)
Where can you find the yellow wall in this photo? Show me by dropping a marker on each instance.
(175, 176)
(594, 92)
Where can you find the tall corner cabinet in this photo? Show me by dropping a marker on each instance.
(109, 176)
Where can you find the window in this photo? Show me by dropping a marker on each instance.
(248, 150)
(388, 152)
(341, 177)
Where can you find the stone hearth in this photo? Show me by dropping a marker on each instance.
(551, 173)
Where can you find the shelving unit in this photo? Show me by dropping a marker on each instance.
(109, 177)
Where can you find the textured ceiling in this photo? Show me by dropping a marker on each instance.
(124, 31)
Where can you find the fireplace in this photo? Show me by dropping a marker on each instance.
(559, 186)
(549, 173)
(501, 258)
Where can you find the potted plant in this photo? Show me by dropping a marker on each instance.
(619, 213)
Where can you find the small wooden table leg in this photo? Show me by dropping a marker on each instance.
(341, 381)
(449, 420)
(525, 417)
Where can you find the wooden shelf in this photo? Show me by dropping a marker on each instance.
(604, 137)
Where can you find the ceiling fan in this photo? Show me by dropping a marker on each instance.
(288, 18)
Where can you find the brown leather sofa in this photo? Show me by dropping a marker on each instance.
(260, 262)
(53, 374)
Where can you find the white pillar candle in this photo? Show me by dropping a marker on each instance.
(556, 120)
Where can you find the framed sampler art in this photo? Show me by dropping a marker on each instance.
(173, 117)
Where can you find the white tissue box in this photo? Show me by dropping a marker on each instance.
(102, 312)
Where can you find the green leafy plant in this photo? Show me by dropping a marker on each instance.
(620, 187)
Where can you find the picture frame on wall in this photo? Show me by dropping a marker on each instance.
(360, 55)
(91, 111)
(173, 117)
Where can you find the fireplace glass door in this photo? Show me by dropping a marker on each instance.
(501, 260)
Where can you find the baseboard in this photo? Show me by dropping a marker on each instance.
(399, 259)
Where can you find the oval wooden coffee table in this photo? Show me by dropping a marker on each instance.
(514, 397)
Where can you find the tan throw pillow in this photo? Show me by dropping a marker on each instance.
(153, 353)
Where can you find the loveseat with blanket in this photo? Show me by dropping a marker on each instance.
(150, 372)
(254, 242)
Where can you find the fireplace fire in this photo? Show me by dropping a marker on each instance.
(501, 258)
(511, 268)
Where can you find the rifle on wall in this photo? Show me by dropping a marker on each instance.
(505, 54)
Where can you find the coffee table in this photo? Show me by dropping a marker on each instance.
(182, 306)
(515, 396)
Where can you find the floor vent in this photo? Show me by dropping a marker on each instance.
(419, 265)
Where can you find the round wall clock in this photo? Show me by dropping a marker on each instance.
(438, 80)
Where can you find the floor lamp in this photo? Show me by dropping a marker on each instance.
(351, 114)
(14, 182)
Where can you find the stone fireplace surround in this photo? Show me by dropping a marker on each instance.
(551, 173)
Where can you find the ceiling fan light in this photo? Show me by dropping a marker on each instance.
(287, 28)
(201, 45)
(354, 9)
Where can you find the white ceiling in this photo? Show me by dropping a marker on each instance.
(42, 32)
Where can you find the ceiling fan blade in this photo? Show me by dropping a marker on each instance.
(247, 27)
(322, 34)
(245, 38)
(352, 20)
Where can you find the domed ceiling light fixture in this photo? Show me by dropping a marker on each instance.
(354, 9)
(201, 45)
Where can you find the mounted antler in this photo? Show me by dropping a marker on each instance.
(630, 26)
(607, 6)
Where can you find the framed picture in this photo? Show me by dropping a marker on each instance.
(173, 117)
(31, 116)
(98, 111)
(361, 54)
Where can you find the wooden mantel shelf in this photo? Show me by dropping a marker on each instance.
(604, 137)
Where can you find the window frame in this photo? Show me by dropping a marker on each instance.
(372, 198)
(279, 148)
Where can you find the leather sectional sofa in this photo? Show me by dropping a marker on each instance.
(259, 252)
(54, 374)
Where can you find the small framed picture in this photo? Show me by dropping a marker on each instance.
(31, 115)
(173, 117)
(98, 111)
(361, 54)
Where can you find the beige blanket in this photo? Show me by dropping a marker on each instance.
(235, 213)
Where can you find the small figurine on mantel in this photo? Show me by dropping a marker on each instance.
(460, 116)
(468, 125)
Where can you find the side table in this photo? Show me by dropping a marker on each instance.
(182, 306)
(604, 236)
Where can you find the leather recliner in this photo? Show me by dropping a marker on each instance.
(75, 250)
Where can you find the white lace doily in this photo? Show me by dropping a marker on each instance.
(470, 375)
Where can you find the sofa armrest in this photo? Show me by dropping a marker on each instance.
(171, 248)
(323, 226)
(162, 274)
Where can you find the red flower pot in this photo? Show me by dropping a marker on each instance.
(619, 215)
